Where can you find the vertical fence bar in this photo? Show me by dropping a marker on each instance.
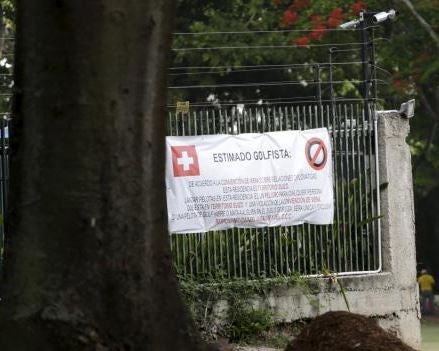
(215, 263)
(371, 189)
(366, 135)
(342, 180)
(377, 189)
(354, 186)
(313, 118)
(331, 249)
(358, 134)
(348, 186)
(337, 233)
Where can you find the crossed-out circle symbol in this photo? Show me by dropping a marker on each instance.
(316, 153)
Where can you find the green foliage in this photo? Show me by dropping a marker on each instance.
(407, 54)
(242, 320)
(8, 13)
(7, 31)
(255, 15)
(287, 251)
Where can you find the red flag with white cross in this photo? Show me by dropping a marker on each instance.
(185, 161)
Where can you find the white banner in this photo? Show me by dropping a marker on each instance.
(216, 182)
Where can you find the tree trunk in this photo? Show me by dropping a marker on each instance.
(87, 262)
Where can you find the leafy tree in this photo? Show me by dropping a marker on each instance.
(406, 52)
(87, 262)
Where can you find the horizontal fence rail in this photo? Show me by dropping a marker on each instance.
(350, 246)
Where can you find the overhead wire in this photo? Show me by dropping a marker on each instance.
(253, 101)
(339, 47)
(291, 46)
(344, 50)
(252, 47)
(268, 31)
(219, 104)
(270, 99)
(251, 66)
(381, 69)
(276, 83)
(269, 68)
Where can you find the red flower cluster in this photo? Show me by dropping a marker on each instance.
(333, 22)
(302, 41)
(320, 25)
(358, 7)
(299, 5)
(337, 13)
(335, 18)
(318, 32)
(289, 17)
(316, 19)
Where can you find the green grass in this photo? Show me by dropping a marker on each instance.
(430, 337)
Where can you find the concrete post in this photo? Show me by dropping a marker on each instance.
(398, 223)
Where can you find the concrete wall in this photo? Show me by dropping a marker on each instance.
(390, 296)
(380, 296)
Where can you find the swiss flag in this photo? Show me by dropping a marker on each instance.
(185, 161)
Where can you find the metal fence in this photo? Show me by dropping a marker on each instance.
(350, 246)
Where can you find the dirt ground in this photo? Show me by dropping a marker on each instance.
(355, 331)
(343, 331)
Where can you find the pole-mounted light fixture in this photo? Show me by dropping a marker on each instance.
(377, 17)
(383, 16)
(350, 25)
(407, 109)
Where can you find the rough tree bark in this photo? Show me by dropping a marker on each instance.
(87, 256)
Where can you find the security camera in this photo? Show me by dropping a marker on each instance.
(383, 16)
(407, 109)
(350, 25)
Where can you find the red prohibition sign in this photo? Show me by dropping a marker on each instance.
(316, 153)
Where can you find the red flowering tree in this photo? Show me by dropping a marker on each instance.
(289, 17)
(303, 13)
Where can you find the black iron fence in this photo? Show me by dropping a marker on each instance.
(350, 246)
